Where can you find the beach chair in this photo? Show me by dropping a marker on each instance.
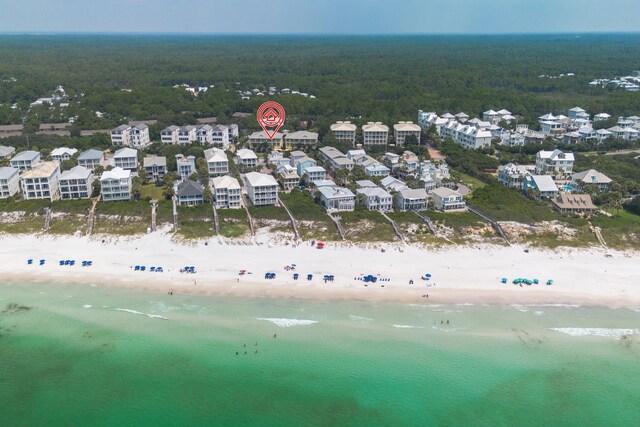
(159, 270)
(295, 276)
(62, 262)
(89, 263)
(309, 277)
(136, 268)
(152, 269)
(29, 261)
(41, 262)
(143, 268)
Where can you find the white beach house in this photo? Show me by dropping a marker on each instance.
(25, 160)
(9, 182)
(262, 189)
(448, 200)
(217, 162)
(126, 158)
(41, 181)
(226, 192)
(116, 184)
(76, 183)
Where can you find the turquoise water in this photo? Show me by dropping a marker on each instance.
(75, 359)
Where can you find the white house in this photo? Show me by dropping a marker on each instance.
(217, 162)
(337, 198)
(120, 136)
(392, 184)
(402, 130)
(126, 158)
(375, 133)
(408, 199)
(62, 153)
(473, 135)
(247, 158)
(116, 184)
(512, 175)
(226, 192)
(91, 159)
(204, 134)
(601, 117)
(41, 181)
(512, 139)
(6, 151)
(448, 200)
(185, 166)
(155, 167)
(221, 136)
(169, 135)
(262, 189)
(336, 159)
(554, 163)
(9, 182)
(344, 132)
(375, 199)
(76, 183)
(25, 160)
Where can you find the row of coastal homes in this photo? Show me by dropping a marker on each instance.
(376, 133)
(205, 134)
(136, 136)
(470, 133)
(285, 141)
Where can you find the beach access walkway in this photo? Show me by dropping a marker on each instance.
(336, 221)
(396, 229)
(92, 214)
(491, 221)
(427, 220)
(294, 223)
(216, 220)
(154, 214)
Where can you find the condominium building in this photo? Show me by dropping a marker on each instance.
(217, 162)
(41, 181)
(300, 139)
(9, 182)
(258, 139)
(226, 192)
(221, 137)
(344, 132)
(116, 184)
(126, 158)
(187, 135)
(25, 160)
(262, 189)
(76, 183)
(375, 133)
(155, 167)
(204, 134)
(402, 130)
(131, 136)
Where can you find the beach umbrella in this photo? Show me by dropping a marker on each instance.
(427, 275)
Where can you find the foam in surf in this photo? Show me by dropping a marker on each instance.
(286, 323)
(616, 333)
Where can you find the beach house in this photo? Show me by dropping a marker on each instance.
(288, 178)
(155, 168)
(408, 199)
(204, 134)
(131, 136)
(25, 160)
(344, 132)
(402, 130)
(221, 136)
(580, 204)
(336, 159)
(226, 192)
(314, 173)
(126, 158)
(6, 152)
(375, 198)
(185, 166)
(262, 189)
(337, 198)
(448, 200)
(591, 178)
(554, 163)
(187, 135)
(261, 139)
(375, 133)
(62, 153)
(41, 181)
(76, 183)
(390, 183)
(246, 158)
(169, 135)
(190, 193)
(512, 175)
(9, 182)
(116, 184)
(91, 159)
(120, 136)
(539, 186)
(217, 162)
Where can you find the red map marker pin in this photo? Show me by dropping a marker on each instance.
(271, 117)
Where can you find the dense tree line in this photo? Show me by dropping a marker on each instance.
(362, 78)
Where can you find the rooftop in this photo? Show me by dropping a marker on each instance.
(7, 172)
(26, 155)
(256, 179)
(91, 155)
(126, 152)
(115, 173)
(154, 161)
(225, 181)
(42, 170)
(78, 172)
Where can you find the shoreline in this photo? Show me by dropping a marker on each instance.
(461, 275)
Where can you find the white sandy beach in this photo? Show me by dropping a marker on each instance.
(459, 274)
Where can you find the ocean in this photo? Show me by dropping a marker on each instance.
(88, 355)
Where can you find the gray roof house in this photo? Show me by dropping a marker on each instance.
(190, 193)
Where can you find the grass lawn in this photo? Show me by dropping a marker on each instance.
(471, 182)
(506, 204)
(233, 223)
(164, 213)
(195, 222)
(621, 231)
(362, 225)
(269, 213)
(313, 221)
(122, 218)
(152, 192)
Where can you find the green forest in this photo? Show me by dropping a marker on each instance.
(357, 78)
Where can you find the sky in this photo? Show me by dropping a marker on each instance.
(320, 16)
